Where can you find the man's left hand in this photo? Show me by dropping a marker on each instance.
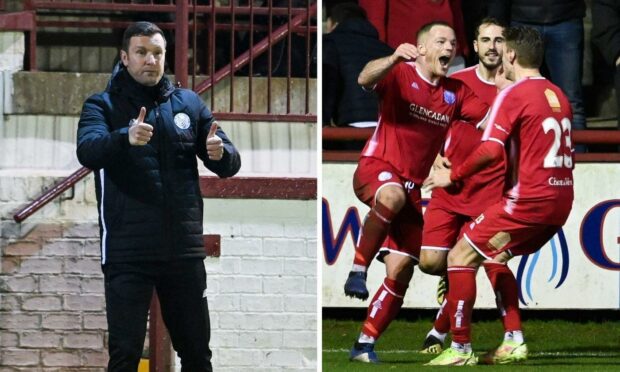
(439, 178)
(215, 146)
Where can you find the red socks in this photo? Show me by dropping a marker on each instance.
(461, 299)
(384, 306)
(374, 231)
(442, 321)
(506, 294)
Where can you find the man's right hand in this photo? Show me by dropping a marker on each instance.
(140, 133)
(376, 70)
(441, 162)
(405, 52)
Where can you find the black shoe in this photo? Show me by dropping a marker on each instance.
(432, 345)
(356, 285)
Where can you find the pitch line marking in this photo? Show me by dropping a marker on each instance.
(531, 354)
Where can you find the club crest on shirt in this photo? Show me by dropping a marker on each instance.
(181, 120)
(384, 176)
(449, 97)
(553, 100)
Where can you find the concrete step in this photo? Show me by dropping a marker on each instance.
(41, 111)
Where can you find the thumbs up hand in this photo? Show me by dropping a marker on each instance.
(215, 146)
(140, 133)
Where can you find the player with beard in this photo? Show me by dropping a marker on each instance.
(530, 121)
(417, 106)
(451, 210)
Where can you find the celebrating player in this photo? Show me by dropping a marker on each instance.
(532, 119)
(450, 211)
(417, 106)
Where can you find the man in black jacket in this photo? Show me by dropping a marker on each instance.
(141, 137)
(352, 43)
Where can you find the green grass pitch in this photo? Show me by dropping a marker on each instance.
(554, 345)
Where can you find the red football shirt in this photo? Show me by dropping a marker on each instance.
(535, 117)
(484, 188)
(414, 116)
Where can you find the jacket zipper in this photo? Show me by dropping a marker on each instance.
(164, 185)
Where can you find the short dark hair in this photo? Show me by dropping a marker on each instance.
(343, 11)
(140, 29)
(427, 27)
(527, 43)
(488, 21)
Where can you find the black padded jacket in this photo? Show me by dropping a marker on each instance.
(149, 200)
(606, 29)
(346, 51)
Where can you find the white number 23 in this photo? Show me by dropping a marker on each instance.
(555, 158)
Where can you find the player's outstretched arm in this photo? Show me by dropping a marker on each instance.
(487, 153)
(376, 69)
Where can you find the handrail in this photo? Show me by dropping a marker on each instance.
(211, 187)
(50, 194)
(159, 8)
(298, 21)
(258, 49)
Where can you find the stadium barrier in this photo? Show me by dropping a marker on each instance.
(586, 137)
(583, 258)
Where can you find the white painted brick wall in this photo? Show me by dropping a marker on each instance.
(274, 328)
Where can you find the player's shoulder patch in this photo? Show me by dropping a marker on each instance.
(553, 100)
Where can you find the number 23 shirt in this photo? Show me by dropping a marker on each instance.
(532, 119)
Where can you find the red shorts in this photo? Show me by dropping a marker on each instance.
(405, 234)
(496, 231)
(442, 227)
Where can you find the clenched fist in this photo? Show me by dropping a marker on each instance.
(405, 52)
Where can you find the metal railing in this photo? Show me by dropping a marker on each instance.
(284, 27)
(586, 137)
(211, 187)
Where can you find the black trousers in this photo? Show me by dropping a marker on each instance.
(181, 288)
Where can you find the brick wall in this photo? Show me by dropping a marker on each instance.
(51, 287)
(262, 290)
